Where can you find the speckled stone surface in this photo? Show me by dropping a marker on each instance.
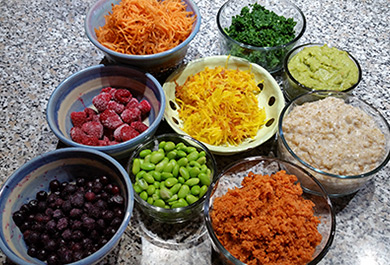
(42, 42)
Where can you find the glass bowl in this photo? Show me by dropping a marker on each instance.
(231, 178)
(336, 184)
(293, 88)
(172, 215)
(271, 58)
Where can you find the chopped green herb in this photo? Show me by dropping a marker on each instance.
(261, 27)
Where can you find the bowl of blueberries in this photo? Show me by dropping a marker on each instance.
(71, 205)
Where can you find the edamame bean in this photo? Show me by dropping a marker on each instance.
(184, 190)
(173, 199)
(203, 191)
(175, 170)
(166, 175)
(169, 146)
(193, 155)
(181, 153)
(201, 160)
(156, 184)
(195, 190)
(165, 194)
(159, 203)
(150, 190)
(140, 174)
(183, 161)
(194, 172)
(194, 164)
(161, 145)
(169, 182)
(144, 195)
(168, 167)
(150, 200)
(184, 173)
(149, 178)
(172, 154)
(175, 188)
(204, 179)
(156, 175)
(136, 166)
(148, 166)
(181, 180)
(144, 153)
(192, 182)
(160, 166)
(143, 184)
(137, 188)
(179, 203)
(191, 198)
(190, 149)
(156, 157)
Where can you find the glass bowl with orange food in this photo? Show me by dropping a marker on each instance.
(142, 33)
(263, 210)
(228, 103)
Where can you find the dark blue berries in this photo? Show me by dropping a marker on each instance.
(72, 220)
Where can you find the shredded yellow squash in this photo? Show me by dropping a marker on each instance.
(219, 106)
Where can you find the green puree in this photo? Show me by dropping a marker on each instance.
(323, 67)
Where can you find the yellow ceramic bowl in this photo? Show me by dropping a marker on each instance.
(271, 98)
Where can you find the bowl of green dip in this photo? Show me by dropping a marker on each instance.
(316, 66)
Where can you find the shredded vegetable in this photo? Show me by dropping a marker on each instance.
(219, 106)
(142, 27)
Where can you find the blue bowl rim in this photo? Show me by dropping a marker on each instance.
(324, 194)
(339, 94)
(110, 148)
(256, 48)
(126, 220)
(155, 56)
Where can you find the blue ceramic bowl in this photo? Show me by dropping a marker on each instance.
(35, 175)
(77, 91)
(154, 63)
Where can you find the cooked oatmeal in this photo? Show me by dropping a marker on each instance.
(334, 136)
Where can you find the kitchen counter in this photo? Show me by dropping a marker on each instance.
(42, 42)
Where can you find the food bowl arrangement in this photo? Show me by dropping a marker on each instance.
(39, 199)
(317, 66)
(251, 213)
(265, 91)
(339, 138)
(154, 61)
(82, 91)
(242, 35)
(171, 174)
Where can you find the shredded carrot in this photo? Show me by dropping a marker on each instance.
(142, 27)
(219, 106)
(267, 221)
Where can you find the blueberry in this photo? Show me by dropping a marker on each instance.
(54, 185)
(33, 205)
(41, 195)
(67, 235)
(77, 200)
(77, 235)
(90, 196)
(18, 218)
(32, 251)
(57, 214)
(75, 213)
(104, 180)
(62, 223)
(80, 182)
(66, 206)
(52, 259)
(51, 226)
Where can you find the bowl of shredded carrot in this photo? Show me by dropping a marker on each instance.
(151, 35)
(263, 210)
(227, 103)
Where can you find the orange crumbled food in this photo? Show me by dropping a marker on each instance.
(142, 27)
(267, 221)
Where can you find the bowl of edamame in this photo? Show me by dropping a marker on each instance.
(171, 174)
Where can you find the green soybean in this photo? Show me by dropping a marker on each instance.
(195, 190)
(184, 190)
(162, 144)
(194, 172)
(191, 198)
(149, 178)
(173, 199)
(184, 173)
(192, 182)
(181, 180)
(182, 161)
(165, 194)
(156, 157)
(136, 166)
(190, 149)
(169, 146)
(172, 154)
(150, 200)
(166, 175)
(201, 160)
(143, 184)
(144, 153)
(140, 174)
(159, 203)
(160, 166)
(156, 196)
(137, 188)
(156, 175)
(194, 164)
(181, 153)
(169, 182)
(148, 166)
(144, 195)
(156, 184)
(150, 190)
(175, 170)
(203, 191)
(179, 204)
(193, 155)
(204, 179)
(168, 167)
(175, 188)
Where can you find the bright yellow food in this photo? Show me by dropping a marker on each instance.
(219, 106)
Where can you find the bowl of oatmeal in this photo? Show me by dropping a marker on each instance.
(339, 138)
(259, 211)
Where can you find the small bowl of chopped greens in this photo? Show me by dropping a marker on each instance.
(262, 32)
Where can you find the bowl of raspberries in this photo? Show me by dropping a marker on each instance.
(70, 205)
(110, 108)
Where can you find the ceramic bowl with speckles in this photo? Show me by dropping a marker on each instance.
(35, 175)
(77, 91)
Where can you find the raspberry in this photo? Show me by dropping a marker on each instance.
(130, 115)
(91, 114)
(100, 101)
(93, 128)
(105, 141)
(115, 106)
(122, 95)
(109, 90)
(139, 126)
(90, 140)
(110, 119)
(77, 134)
(124, 133)
(78, 118)
(132, 103)
(145, 107)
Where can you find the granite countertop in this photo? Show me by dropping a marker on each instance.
(42, 42)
